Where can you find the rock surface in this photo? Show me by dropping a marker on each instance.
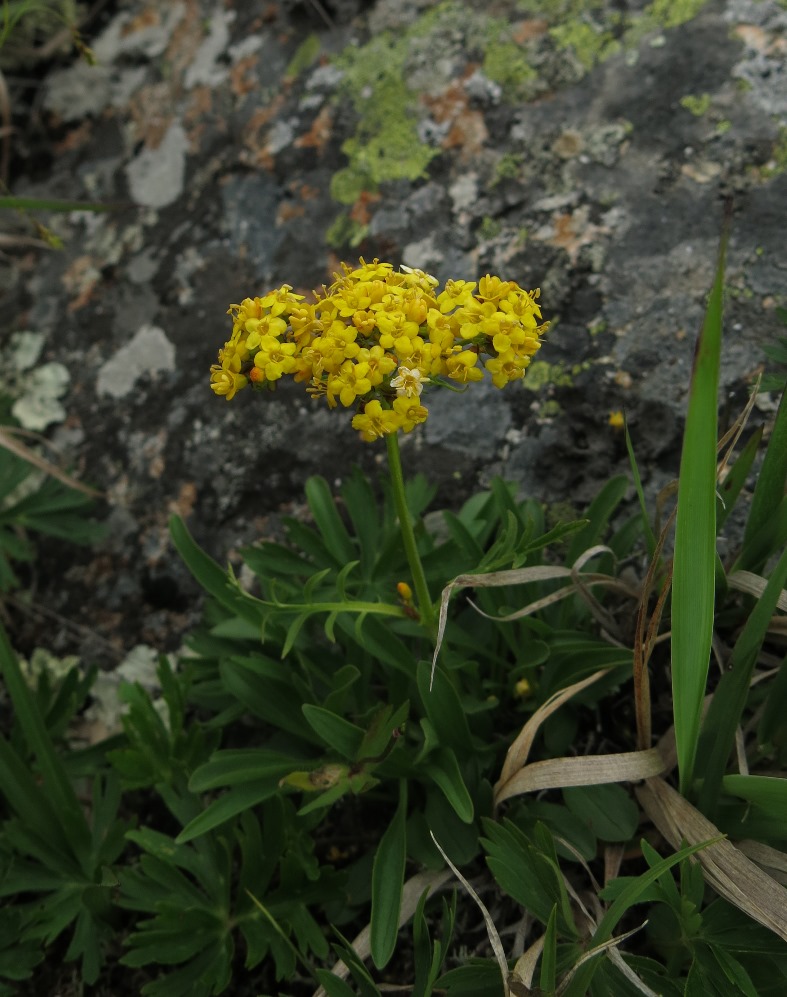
(583, 148)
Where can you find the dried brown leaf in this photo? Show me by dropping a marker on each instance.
(587, 770)
(727, 869)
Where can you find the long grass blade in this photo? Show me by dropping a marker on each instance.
(693, 585)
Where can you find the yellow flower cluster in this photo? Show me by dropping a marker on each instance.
(377, 336)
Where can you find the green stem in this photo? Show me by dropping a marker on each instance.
(423, 599)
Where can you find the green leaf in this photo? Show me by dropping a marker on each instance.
(527, 874)
(626, 899)
(474, 979)
(694, 564)
(443, 769)
(333, 985)
(444, 709)
(210, 575)
(240, 765)
(598, 515)
(387, 884)
(767, 792)
(609, 811)
(56, 784)
(329, 522)
(548, 975)
(338, 733)
(274, 700)
(238, 799)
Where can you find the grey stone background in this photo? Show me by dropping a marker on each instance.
(585, 148)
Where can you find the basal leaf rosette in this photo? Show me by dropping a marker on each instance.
(377, 338)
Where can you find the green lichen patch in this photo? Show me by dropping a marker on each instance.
(541, 374)
(777, 163)
(696, 105)
(305, 55)
(386, 145)
(345, 231)
(590, 43)
(506, 63)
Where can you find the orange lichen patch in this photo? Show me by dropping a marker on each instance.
(568, 144)
(320, 132)
(753, 37)
(80, 281)
(308, 193)
(147, 18)
(571, 231)
(255, 151)
(75, 138)
(468, 130)
(243, 77)
(360, 212)
(289, 210)
(195, 117)
(152, 111)
(523, 31)
(183, 505)
(186, 39)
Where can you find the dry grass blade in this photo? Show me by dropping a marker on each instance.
(769, 859)
(519, 751)
(494, 937)
(589, 770)
(411, 894)
(751, 584)
(645, 638)
(734, 433)
(538, 573)
(727, 869)
(525, 967)
(623, 967)
(607, 946)
(9, 441)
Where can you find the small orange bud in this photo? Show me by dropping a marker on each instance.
(405, 592)
(256, 375)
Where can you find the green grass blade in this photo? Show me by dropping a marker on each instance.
(50, 204)
(729, 700)
(768, 492)
(693, 585)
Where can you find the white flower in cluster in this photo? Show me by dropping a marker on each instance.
(408, 383)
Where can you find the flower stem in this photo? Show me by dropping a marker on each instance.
(424, 601)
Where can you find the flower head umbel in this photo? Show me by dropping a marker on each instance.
(378, 337)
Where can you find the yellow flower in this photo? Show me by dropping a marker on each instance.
(493, 288)
(376, 421)
(226, 382)
(410, 412)
(506, 368)
(462, 367)
(616, 419)
(351, 381)
(275, 358)
(380, 363)
(522, 689)
(378, 337)
(259, 328)
(455, 294)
